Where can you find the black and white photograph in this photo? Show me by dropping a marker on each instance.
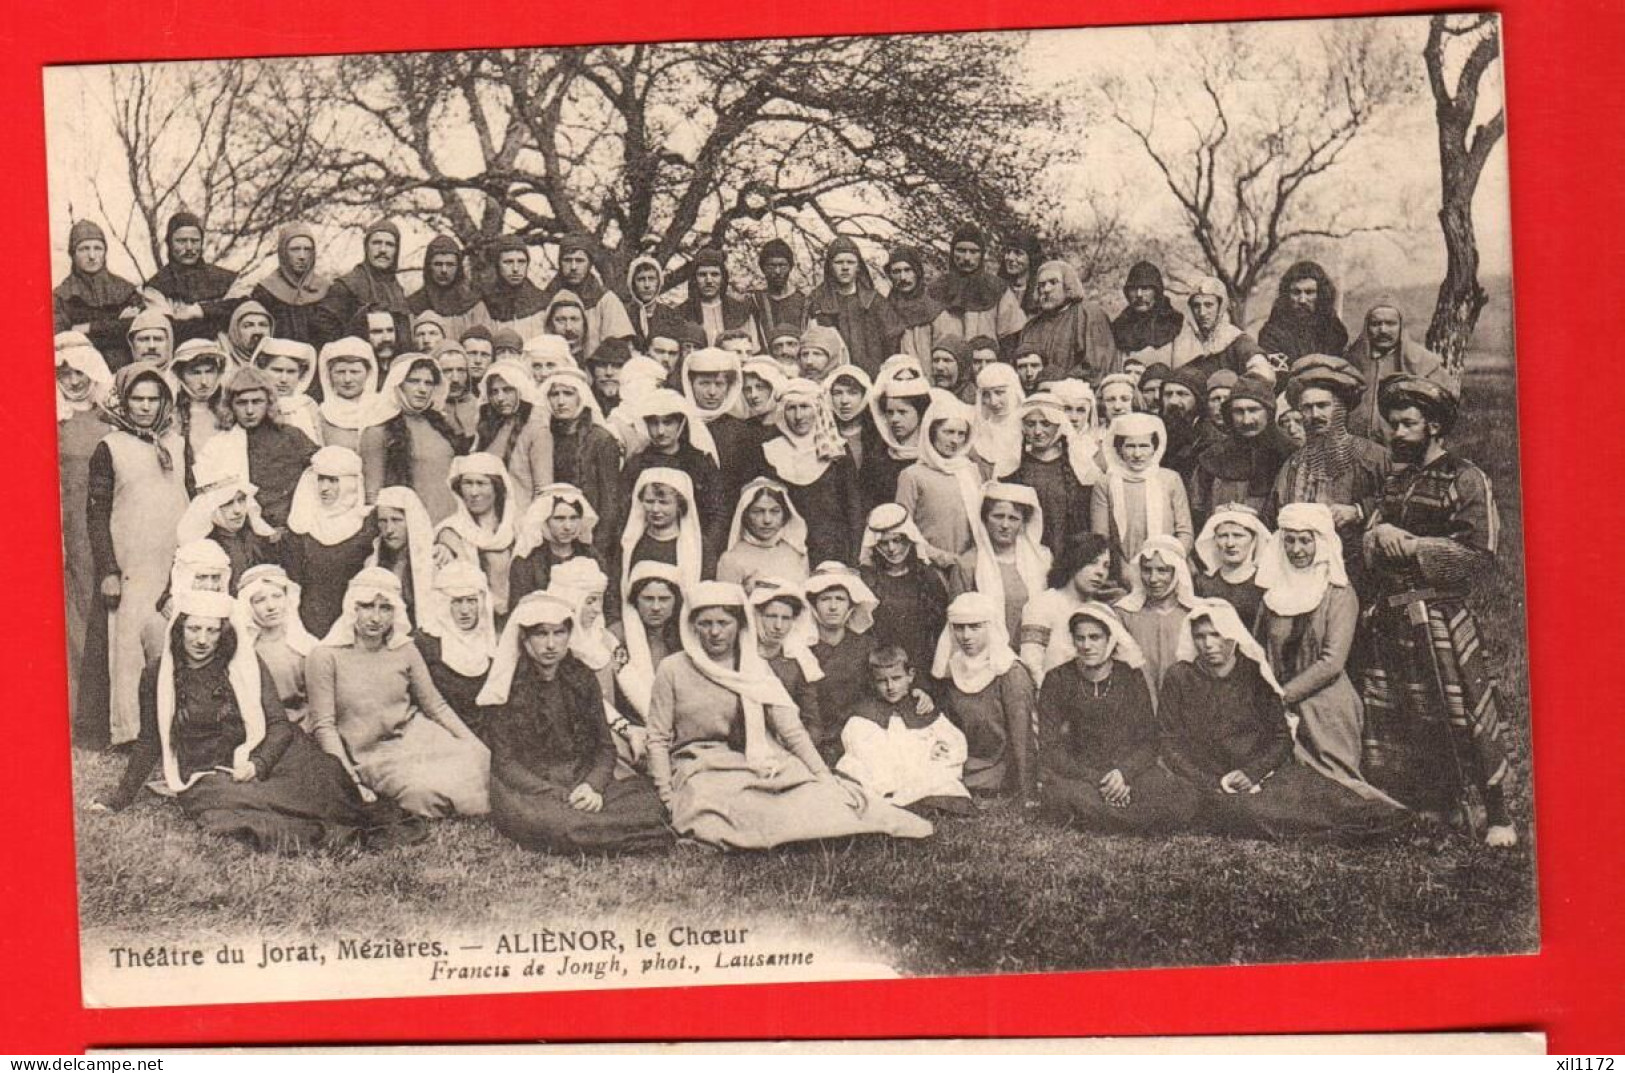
(804, 509)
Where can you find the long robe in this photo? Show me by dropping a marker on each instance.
(1211, 726)
(999, 728)
(913, 609)
(427, 459)
(1087, 730)
(696, 756)
(76, 440)
(549, 738)
(1075, 340)
(1434, 735)
(299, 798)
(132, 509)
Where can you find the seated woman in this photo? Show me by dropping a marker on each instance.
(810, 459)
(990, 696)
(1010, 563)
(913, 601)
(1307, 626)
(210, 716)
(375, 708)
(913, 758)
(1081, 573)
(410, 443)
(560, 525)
(1224, 731)
(482, 530)
(768, 538)
(330, 535)
(457, 638)
(405, 546)
(843, 610)
(1098, 734)
(1229, 546)
(1159, 599)
(1138, 499)
(663, 526)
(942, 491)
(553, 786)
(785, 635)
(582, 584)
(268, 609)
(727, 750)
(648, 634)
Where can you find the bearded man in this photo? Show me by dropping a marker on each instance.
(1433, 734)
(1382, 350)
(1242, 466)
(196, 289)
(1073, 335)
(974, 301)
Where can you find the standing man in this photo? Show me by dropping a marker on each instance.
(1074, 336)
(1146, 329)
(710, 304)
(777, 302)
(1304, 318)
(511, 300)
(446, 291)
(370, 285)
(974, 301)
(846, 300)
(196, 289)
(1209, 340)
(604, 314)
(92, 299)
(1382, 350)
(1335, 467)
(649, 316)
(1433, 726)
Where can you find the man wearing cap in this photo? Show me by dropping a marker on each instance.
(510, 299)
(478, 343)
(370, 285)
(1382, 350)
(1433, 730)
(1146, 329)
(92, 299)
(1241, 467)
(1335, 467)
(601, 307)
(777, 302)
(196, 289)
(710, 305)
(974, 301)
(605, 369)
(447, 291)
(1182, 404)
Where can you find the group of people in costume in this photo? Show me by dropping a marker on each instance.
(763, 568)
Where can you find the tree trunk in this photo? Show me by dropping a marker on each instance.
(1461, 297)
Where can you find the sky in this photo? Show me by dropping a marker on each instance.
(1396, 164)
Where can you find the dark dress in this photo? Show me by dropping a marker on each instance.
(300, 797)
(845, 682)
(323, 571)
(277, 457)
(1063, 499)
(460, 690)
(1211, 726)
(912, 613)
(1245, 596)
(587, 456)
(532, 573)
(245, 548)
(833, 509)
(805, 694)
(1088, 729)
(549, 738)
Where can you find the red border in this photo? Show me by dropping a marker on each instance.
(1564, 84)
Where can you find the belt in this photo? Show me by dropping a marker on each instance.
(1415, 596)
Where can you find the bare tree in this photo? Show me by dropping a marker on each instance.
(1464, 145)
(672, 147)
(1246, 135)
(237, 142)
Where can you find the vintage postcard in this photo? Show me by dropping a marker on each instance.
(782, 510)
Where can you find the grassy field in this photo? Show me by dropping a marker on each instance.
(997, 892)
